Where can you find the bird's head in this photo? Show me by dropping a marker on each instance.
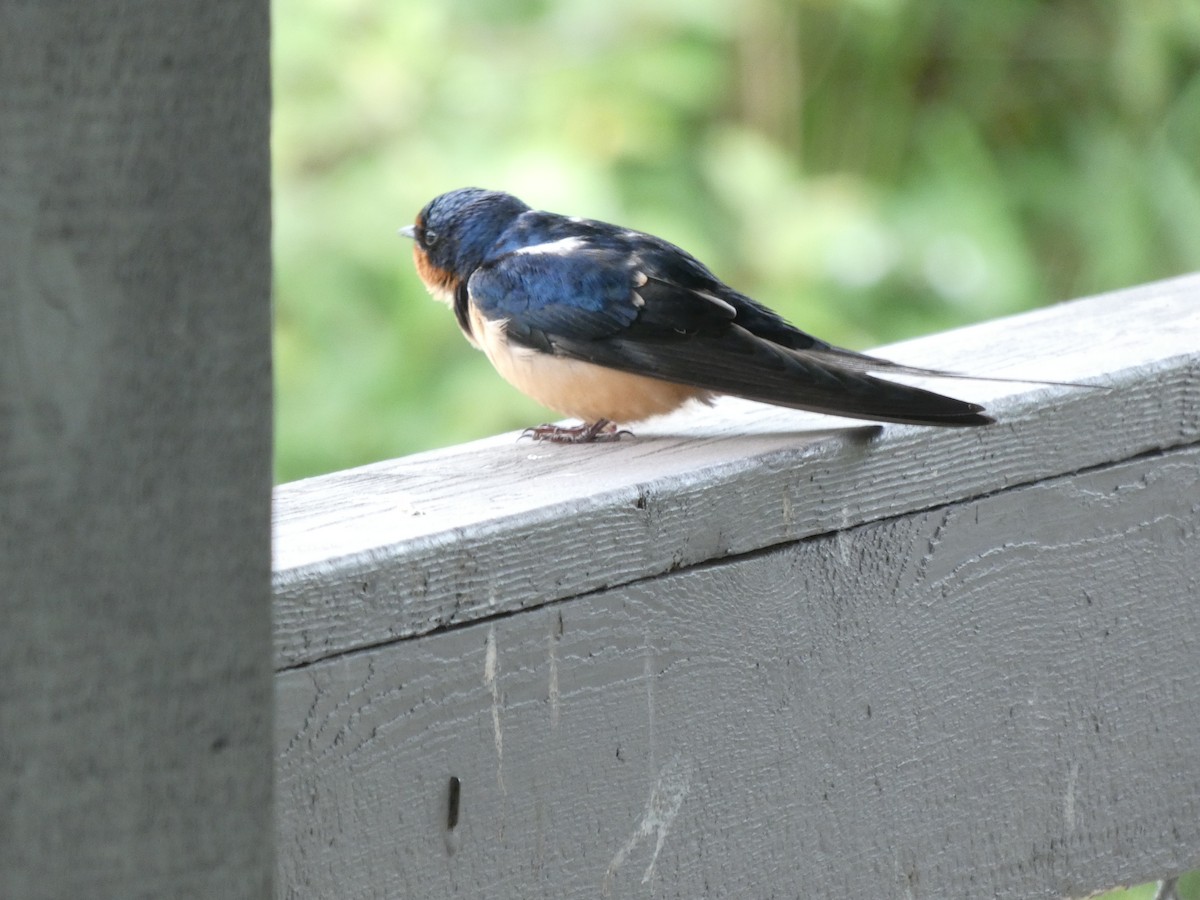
(454, 232)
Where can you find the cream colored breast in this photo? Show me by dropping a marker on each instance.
(579, 389)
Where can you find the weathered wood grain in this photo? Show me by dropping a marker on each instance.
(135, 451)
(995, 697)
(409, 546)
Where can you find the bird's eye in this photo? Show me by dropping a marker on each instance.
(429, 237)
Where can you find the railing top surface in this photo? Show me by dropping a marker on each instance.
(411, 545)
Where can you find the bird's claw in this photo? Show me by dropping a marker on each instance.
(600, 431)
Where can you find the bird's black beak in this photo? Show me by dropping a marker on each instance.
(409, 231)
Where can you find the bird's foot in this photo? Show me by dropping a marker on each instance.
(602, 430)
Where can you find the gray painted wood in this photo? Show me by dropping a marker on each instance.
(990, 698)
(757, 653)
(409, 546)
(135, 685)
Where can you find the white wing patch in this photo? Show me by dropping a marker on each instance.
(561, 247)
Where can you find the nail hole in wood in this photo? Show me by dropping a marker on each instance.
(452, 812)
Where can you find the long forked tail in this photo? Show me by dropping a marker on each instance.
(820, 381)
(863, 362)
(738, 363)
(862, 396)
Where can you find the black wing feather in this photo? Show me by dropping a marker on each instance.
(657, 311)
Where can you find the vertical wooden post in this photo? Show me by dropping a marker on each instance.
(135, 417)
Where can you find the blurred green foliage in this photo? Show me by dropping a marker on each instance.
(871, 168)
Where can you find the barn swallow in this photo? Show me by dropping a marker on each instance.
(613, 326)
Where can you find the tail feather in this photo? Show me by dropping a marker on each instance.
(738, 363)
(864, 396)
(862, 362)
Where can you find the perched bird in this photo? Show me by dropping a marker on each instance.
(612, 326)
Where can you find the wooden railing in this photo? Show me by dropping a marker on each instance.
(754, 652)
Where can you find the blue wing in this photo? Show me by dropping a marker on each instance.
(572, 291)
(633, 302)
